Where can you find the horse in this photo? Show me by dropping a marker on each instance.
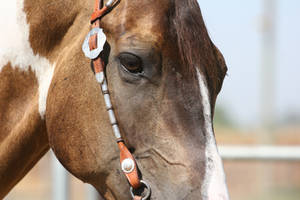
(163, 73)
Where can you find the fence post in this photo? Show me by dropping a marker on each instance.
(60, 180)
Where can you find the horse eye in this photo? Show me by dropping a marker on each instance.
(131, 62)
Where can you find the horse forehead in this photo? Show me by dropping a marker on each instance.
(142, 18)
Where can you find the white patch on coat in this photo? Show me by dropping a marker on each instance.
(214, 185)
(15, 48)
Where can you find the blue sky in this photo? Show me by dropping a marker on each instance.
(234, 26)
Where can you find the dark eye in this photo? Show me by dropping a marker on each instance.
(131, 62)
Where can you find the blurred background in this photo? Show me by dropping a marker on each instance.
(258, 107)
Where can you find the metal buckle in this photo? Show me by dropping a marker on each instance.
(148, 190)
(101, 39)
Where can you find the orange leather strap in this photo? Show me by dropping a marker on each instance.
(98, 64)
(132, 177)
(98, 13)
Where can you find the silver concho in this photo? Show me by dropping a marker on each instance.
(127, 165)
(101, 38)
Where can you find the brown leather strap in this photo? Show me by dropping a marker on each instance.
(99, 13)
(132, 177)
(98, 64)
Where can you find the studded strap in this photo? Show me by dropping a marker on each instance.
(98, 64)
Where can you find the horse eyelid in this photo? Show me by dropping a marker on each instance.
(129, 59)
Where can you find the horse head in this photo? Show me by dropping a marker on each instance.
(163, 75)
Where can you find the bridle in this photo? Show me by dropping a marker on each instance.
(92, 47)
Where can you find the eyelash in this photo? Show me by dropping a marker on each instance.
(131, 64)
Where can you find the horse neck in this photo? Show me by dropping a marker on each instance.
(24, 145)
(23, 138)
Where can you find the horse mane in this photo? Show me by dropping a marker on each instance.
(195, 46)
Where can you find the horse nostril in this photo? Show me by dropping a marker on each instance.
(131, 149)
